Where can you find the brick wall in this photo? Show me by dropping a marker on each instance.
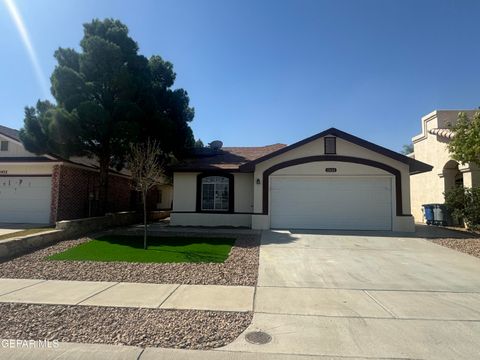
(55, 188)
(73, 187)
(120, 195)
(152, 199)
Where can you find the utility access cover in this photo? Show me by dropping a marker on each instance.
(258, 337)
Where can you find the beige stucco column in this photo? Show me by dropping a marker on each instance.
(471, 175)
(448, 176)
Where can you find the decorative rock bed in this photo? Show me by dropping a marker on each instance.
(187, 329)
(240, 268)
(468, 246)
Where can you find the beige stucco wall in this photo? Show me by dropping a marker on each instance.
(15, 149)
(205, 219)
(432, 149)
(30, 169)
(343, 169)
(167, 197)
(344, 148)
(185, 195)
(185, 191)
(243, 192)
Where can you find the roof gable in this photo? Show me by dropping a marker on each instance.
(414, 165)
(10, 133)
(24, 155)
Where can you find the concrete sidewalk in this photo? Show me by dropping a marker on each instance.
(119, 294)
(73, 351)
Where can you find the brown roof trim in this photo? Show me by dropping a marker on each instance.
(93, 168)
(26, 159)
(42, 159)
(414, 165)
(308, 159)
(203, 169)
(10, 133)
(25, 175)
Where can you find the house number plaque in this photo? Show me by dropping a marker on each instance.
(330, 170)
(3, 172)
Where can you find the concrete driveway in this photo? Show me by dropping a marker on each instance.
(365, 295)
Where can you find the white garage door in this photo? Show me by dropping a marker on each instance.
(350, 203)
(25, 199)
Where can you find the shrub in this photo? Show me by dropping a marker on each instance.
(465, 203)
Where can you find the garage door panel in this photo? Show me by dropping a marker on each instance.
(33, 217)
(359, 203)
(25, 199)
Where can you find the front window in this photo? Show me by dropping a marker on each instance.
(215, 193)
(3, 145)
(330, 145)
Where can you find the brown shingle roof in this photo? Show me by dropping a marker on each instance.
(9, 132)
(227, 158)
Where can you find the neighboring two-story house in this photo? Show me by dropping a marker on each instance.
(430, 146)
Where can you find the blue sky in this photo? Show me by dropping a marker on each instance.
(261, 72)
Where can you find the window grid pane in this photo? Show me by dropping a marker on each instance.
(215, 193)
(4, 146)
(208, 193)
(221, 197)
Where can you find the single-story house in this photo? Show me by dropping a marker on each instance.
(431, 146)
(332, 180)
(46, 188)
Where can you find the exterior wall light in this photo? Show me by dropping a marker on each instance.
(258, 181)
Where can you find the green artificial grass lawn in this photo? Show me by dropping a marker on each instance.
(160, 250)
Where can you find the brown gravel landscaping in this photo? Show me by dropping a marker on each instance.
(468, 246)
(239, 269)
(186, 329)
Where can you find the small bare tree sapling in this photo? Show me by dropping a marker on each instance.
(146, 167)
